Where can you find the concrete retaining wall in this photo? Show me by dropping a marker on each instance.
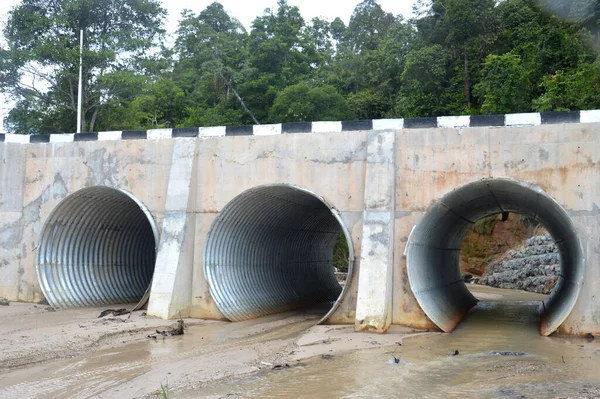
(380, 176)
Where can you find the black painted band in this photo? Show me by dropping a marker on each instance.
(134, 135)
(486, 120)
(366, 124)
(247, 130)
(85, 136)
(39, 138)
(185, 132)
(420, 123)
(296, 127)
(552, 117)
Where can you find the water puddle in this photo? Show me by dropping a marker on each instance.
(496, 352)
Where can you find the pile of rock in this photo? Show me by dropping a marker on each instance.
(534, 268)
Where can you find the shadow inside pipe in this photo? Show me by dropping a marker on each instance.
(443, 241)
(97, 247)
(274, 249)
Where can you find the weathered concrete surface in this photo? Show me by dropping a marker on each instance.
(430, 163)
(373, 308)
(380, 189)
(13, 249)
(562, 159)
(51, 172)
(172, 282)
(329, 165)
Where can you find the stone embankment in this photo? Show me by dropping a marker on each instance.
(533, 268)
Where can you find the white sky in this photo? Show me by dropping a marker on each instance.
(246, 11)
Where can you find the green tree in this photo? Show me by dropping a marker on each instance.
(574, 89)
(283, 52)
(117, 112)
(469, 23)
(544, 43)
(319, 35)
(222, 114)
(465, 28)
(39, 63)
(160, 105)
(370, 59)
(213, 63)
(585, 13)
(368, 104)
(503, 87)
(454, 57)
(301, 102)
(423, 84)
(338, 29)
(368, 24)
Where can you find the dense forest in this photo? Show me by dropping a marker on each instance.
(455, 57)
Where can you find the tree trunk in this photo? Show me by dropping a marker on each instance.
(82, 120)
(467, 83)
(93, 120)
(72, 95)
(239, 99)
(244, 106)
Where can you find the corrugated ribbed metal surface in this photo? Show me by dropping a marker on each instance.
(271, 250)
(97, 248)
(434, 248)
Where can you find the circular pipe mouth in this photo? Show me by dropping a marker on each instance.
(98, 247)
(434, 248)
(270, 250)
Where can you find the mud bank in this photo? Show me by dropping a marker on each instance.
(73, 354)
(498, 354)
(31, 334)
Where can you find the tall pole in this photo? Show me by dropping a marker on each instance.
(80, 87)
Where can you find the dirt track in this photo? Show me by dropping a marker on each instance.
(74, 354)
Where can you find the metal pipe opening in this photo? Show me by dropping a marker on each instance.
(98, 247)
(270, 250)
(434, 247)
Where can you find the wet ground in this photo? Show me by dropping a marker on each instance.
(492, 368)
(109, 372)
(499, 354)
(496, 352)
(114, 358)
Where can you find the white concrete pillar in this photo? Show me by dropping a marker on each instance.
(171, 290)
(373, 308)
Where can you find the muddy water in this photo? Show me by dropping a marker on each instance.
(500, 355)
(112, 370)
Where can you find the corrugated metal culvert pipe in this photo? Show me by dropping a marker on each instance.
(434, 249)
(98, 247)
(270, 250)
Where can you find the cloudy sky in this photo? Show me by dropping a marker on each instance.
(246, 11)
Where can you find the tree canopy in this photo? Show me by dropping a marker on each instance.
(39, 63)
(454, 57)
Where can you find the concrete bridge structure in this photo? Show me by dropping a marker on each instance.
(239, 222)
